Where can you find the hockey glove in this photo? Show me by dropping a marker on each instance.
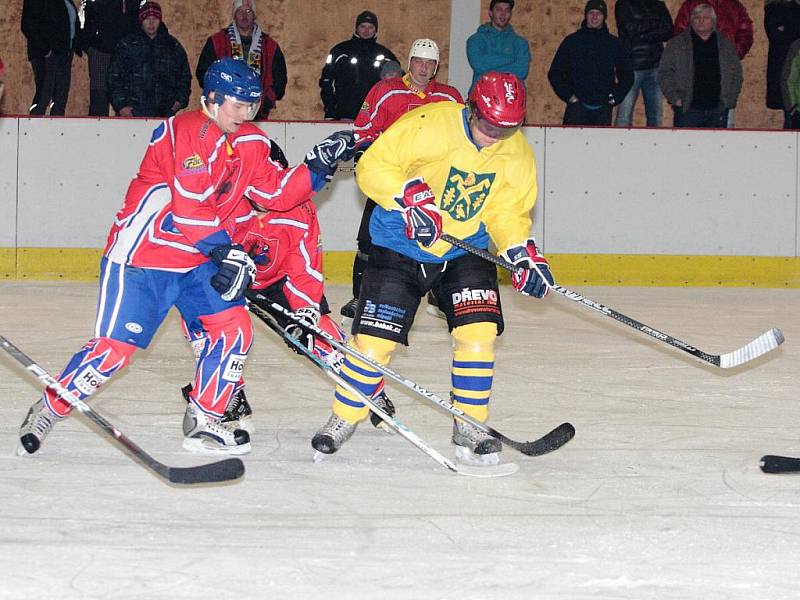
(295, 330)
(532, 277)
(236, 271)
(420, 213)
(324, 157)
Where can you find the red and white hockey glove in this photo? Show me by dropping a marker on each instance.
(532, 277)
(420, 213)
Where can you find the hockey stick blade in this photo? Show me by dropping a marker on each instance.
(547, 443)
(216, 472)
(779, 464)
(500, 470)
(764, 343)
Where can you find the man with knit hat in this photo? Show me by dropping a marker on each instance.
(591, 72)
(244, 39)
(149, 73)
(352, 68)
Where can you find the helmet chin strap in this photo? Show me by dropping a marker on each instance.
(212, 111)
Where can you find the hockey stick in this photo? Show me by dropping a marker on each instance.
(484, 471)
(553, 440)
(779, 464)
(764, 343)
(224, 470)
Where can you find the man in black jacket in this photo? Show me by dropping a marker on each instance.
(352, 68)
(106, 22)
(50, 27)
(149, 74)
(590, 71)
(643, 27)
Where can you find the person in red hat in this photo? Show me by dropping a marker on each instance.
(149, 73)
(463, 170)
(246, 40)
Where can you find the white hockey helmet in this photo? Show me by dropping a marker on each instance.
(423, 48)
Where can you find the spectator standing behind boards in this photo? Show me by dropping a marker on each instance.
(643, 27)
(246, 40)
(782, 24)
(50, 26)
(149, 73)
(590, 71)
(700, 73)
(352, 68)
(790, 87)
(733, 22)
(104, 24)
(495, 46)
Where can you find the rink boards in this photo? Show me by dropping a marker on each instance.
(615, 206)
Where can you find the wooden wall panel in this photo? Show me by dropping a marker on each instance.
(306, 30)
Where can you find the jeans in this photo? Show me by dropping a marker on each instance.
(647, 81)
(711, 118)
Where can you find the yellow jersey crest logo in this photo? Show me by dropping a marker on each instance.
(465, 193)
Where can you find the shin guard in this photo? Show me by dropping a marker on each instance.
(88, 369)
(361, 376)
(220, 366)
(473, 368)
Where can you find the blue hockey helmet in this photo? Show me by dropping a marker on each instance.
(233, 78)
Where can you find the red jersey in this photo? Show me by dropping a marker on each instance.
(191, 193)
(291, 240)
(390, 99)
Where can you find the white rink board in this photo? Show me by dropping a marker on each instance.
(8, 182)
(73, 174)
(601, 191)
(633, 191)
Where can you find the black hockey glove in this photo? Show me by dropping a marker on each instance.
(236, 271)
(295, 330)
(324, 157)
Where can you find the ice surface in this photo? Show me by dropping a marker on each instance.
(659, 496)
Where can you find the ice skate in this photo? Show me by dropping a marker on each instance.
(474, 446)
(239, 413)
(332, 435)
(348, 312)
(383, 402)
(204, 434)
(37, 424)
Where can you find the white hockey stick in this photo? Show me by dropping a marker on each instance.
(224, 470)
(766, 342)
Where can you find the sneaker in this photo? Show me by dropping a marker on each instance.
(382, 400)
(349, 309)
(474, 445)
(239, 413)
(206, 435)
(37, 424)
(433, 307)
(332, 435)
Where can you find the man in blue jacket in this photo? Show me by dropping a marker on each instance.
(496, 47)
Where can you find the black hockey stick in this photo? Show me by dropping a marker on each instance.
(779, 464)
(552, 440)
(390, 420)
(224, 470)
(764, 343)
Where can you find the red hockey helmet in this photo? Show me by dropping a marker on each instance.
(498, 99)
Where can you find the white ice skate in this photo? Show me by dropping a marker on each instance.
(37, 424)
(205, 435)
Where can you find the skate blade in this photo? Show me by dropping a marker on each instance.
(382, 426)
(467, 457)
(20, 450)
(346, 323)
(199, 446)
(501, 470)
(320, 457)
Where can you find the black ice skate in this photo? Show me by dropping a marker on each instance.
(475, 446)
(383, 402)
(332, 435)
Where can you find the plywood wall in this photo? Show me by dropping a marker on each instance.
(307, 29)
